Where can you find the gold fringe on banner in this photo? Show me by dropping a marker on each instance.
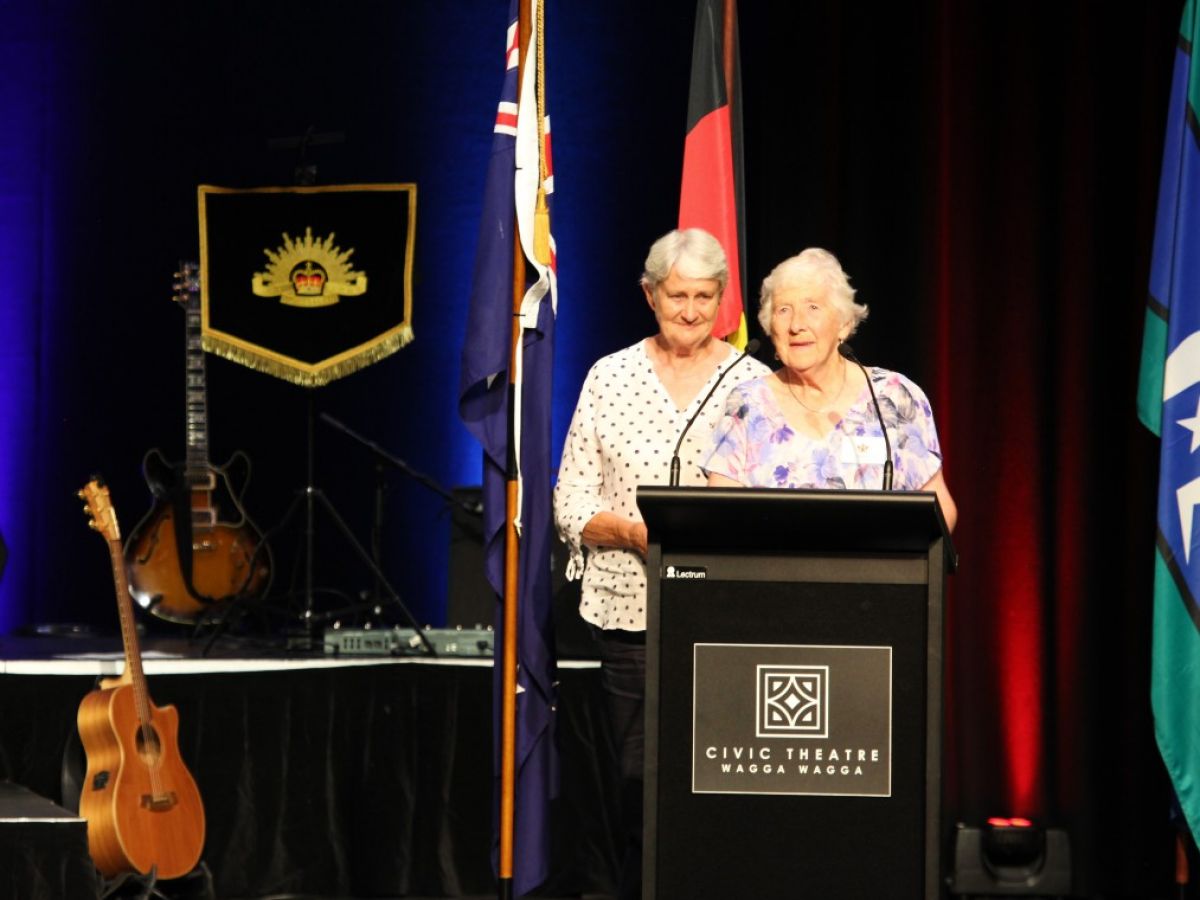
(262, 360)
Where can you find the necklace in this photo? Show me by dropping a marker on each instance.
(826, 407)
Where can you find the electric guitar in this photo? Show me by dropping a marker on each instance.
(142, 807)
(184, 560)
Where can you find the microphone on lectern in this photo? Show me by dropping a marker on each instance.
(848, 352)
(751, 346)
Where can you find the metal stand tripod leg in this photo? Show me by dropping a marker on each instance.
(380, 578)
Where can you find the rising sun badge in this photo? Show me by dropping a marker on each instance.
(309, 273)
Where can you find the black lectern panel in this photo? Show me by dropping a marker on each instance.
(835, 846)
(860, 522)
(793, 694)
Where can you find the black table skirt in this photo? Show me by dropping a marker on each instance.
(356, 781)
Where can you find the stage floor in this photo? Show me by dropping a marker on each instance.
(94, 655)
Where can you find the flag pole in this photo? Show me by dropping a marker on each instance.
(508, 714)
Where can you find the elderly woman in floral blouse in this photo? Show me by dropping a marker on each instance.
(812, 423)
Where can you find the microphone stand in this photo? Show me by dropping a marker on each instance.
(398, 463)
(383, 456)
(311, 497)
(848, 353)
(377, 523)
(751, 347)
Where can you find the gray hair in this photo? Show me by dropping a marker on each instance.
(813, 264)
(692, 253)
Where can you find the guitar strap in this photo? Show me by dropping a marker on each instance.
(181, 504)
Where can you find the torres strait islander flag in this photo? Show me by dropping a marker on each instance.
(712, 193)
(1169, 405)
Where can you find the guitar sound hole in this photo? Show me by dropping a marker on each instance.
(148, 747)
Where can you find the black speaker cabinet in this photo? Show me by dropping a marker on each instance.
(794, 694)
(471, 600)
(43, 850)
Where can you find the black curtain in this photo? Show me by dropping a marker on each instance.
(986, 173)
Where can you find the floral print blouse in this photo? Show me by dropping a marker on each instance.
(754, 445)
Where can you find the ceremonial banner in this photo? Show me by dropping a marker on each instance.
(307, 284)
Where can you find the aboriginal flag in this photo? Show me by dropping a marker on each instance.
(712, 194)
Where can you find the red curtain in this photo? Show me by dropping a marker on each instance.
(1046, 170)
(987, 174)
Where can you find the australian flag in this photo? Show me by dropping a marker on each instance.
(1169, 405)
(517, 420)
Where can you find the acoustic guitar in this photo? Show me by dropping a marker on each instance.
(184, 559)
(142, 807)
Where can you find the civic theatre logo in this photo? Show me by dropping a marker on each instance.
(793, 701)
(792, 719)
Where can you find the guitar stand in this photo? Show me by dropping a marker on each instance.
(196, 885)
(221, 621)
(221, 617)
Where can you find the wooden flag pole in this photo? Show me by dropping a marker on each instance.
(508, 718)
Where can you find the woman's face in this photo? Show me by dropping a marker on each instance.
(806, 327)
(686, 309)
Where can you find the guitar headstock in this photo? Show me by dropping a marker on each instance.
(102, 516)
(187, 283)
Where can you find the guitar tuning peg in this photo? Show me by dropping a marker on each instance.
(92, 525)
(81, 495)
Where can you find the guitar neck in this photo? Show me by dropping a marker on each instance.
(198, 472)
(133, 653)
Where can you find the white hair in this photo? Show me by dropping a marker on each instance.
(813, 264)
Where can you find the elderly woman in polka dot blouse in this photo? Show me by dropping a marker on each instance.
(631, 411)
(812, 423)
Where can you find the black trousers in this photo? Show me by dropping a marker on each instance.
(623, 679)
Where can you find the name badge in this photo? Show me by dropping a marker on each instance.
(864, 450)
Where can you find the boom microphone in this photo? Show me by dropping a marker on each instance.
(751, 346)
(846, 351)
